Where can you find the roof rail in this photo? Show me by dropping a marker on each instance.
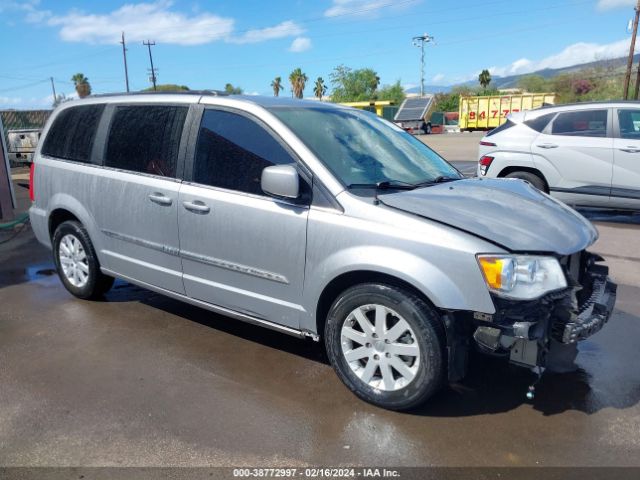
(213, 93)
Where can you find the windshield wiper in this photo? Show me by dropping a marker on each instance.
(384, 185)
(440, 179)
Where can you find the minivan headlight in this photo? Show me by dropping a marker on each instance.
(522, 277)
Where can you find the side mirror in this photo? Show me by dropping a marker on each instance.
(281, 181)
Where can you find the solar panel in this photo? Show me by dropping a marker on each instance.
(414, 108)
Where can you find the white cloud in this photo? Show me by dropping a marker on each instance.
(439, 77)
(300, 44)
(156, 21)
(575, 54)
(284, 29)
(610, 4)
(362, 8)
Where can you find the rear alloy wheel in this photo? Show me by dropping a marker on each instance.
(532, 178)
(386, 344)
(77, 263)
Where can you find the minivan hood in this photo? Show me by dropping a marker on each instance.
(508, 212)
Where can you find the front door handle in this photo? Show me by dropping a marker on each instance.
(631, 149)
(197, 207)
(160, 199)
(547, 145)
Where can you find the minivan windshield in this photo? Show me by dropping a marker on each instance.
(363, 150)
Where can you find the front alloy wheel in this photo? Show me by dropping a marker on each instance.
(380, 347)
(386, 344)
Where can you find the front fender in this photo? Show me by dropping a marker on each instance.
(469, 292)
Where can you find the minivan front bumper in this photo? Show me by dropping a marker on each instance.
(527, 332)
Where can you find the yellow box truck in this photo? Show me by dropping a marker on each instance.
(489, 112)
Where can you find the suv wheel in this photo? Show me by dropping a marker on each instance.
(532, 178)
(76, 262)
(386, 344)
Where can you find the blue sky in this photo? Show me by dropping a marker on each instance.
(205, 44)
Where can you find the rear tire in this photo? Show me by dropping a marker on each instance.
(77, 263)
(382, 360)
(532, 178)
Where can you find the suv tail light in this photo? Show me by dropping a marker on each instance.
(485, 163)
(488, 144)
(32, 193)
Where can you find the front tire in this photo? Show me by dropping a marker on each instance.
(77, 263)
(387, 345)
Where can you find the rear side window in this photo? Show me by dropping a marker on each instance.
(629, 121)
(584, 123)
(72, 133)
(539, 123)
(233, 150)
(501, 128)
(146, 138)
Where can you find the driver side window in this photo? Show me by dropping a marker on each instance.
(233, 150)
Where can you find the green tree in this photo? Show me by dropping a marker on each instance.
(353, 85)
(320, 88)
(276, 84)
(484, 78)
(533, 84)
(231, 90)
(394, 93)
(447, 102)
(83, 87)
(298, 80)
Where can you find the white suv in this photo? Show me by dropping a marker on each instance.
(585, 154)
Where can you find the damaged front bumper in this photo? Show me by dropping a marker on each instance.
(531, 333)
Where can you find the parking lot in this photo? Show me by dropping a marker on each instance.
(142, 380)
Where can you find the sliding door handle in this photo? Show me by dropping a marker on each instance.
(160, 199)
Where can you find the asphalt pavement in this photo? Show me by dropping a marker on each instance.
(138, 379)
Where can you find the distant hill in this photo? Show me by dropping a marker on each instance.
(511, 81)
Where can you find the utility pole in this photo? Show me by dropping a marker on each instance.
(53, 88)
(124, 57)
(419, 41)
(149, 44)
(627, 76)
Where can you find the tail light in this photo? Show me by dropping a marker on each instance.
(32, 193)
(485, 163)
(488, 144)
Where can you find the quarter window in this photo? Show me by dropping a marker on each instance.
(629, 121)
(146, 139)
(584, 123)
(72, 133)
(539, 123)
(233, 150)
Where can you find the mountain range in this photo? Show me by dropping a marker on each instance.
(511, 81)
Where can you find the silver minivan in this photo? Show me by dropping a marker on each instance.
(319, 221)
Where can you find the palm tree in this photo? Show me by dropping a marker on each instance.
(298, 81)
(82, 85)
(277, 86)
(484, 78)
(319, 89)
